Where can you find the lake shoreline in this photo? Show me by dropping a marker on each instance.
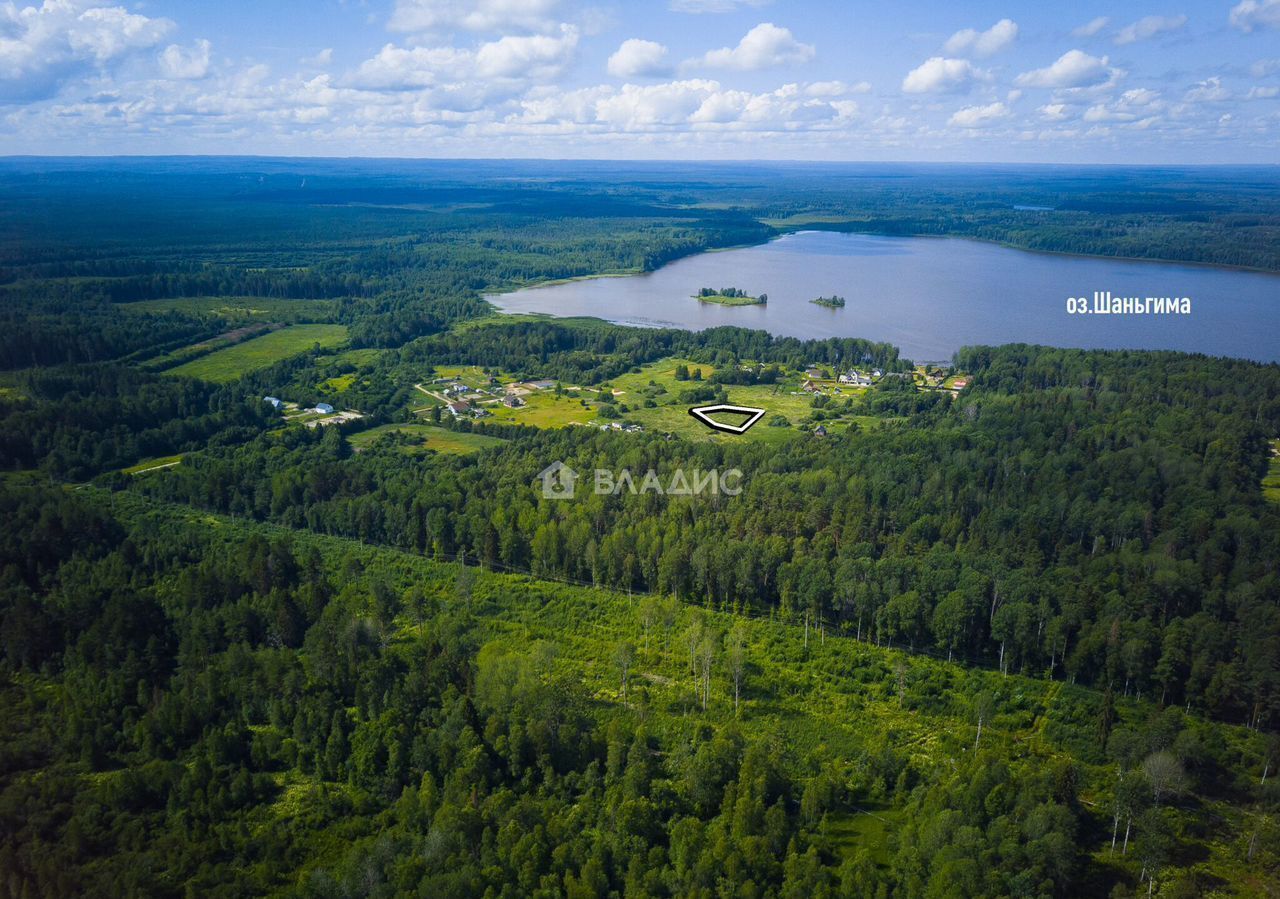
(930, 297)
(810, 228)
(991, 242)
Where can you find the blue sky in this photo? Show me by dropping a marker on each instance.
(1161, 82)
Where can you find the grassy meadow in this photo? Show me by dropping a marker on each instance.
(228, 364)
(1271, 483)
(417, 438)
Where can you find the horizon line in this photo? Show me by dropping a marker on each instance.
(664, 161)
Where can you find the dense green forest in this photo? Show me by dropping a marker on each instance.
(217, 708)
(1073, 516)
(1020, 639)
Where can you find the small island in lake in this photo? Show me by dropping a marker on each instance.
(730, 296)
(831, 302)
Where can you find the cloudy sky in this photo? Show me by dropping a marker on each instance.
(1170, 81)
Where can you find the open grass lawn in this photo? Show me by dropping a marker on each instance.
(239, 308)
(662, 373)
(671, 415)
(420, 438)
(471, 375)
(543, 409)
(230, 363)
(338, 384)
(193, 351)
(1271, 483)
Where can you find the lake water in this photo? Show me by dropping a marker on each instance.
(930, 296)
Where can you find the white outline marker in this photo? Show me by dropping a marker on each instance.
(703, 414)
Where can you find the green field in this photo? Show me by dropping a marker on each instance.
(671, 415)
(228, 364)
(193, 351)
(543, 409)
(657, 382)
(471, 375)
(419, 438)
(501, 318)
(339, 384)
(663, 374)
(360, 357)
(1271, 483)
(156, 464)
(238, 308)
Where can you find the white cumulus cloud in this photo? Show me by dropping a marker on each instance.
(1208, 91)
(637, 58)
(938, 75)
(983, 43)
(979, 116)
(494, 67)
(405, 68)
(1248, 15)
(41, 47)
(763, 47)
(697, 104)
(1149, 26)
(532, 56)
(186, 62)
(636, 108)
(1075, 68)
(836, 88)
(416, 16)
